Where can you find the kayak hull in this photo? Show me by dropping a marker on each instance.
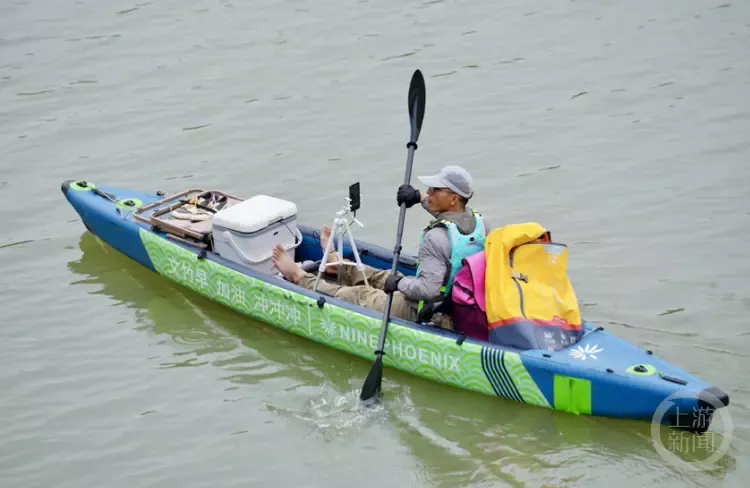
(601, 375)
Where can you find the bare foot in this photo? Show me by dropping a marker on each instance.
(325, 236)
(286, 265)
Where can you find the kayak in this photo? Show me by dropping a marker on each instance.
(219, 245)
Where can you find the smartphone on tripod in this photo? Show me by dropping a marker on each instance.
(354, 200)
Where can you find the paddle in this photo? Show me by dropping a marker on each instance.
(416, 102)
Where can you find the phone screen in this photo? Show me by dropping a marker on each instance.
(354, 197)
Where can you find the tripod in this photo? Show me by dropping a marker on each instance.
(340, 227)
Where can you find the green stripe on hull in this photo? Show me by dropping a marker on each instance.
(417, 352)
(525, 384)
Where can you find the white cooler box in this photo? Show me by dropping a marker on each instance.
(246, 233)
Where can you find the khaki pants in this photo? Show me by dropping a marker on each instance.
(353, 290)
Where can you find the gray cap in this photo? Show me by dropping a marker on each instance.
(454, 178)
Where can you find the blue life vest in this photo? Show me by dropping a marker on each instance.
(462, 246)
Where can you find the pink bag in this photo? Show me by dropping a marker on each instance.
(469, 306)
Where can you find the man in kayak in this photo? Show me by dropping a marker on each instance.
(456, 232)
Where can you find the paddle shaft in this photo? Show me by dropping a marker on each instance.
(396, 250)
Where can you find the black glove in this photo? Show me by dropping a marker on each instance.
(409, 195)
(391, 283)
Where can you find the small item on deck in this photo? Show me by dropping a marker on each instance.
(129, 203)
(673, 379)
(200, 207)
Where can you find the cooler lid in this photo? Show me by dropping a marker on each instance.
(254, 214)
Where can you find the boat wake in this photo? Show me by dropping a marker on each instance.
(333, 413)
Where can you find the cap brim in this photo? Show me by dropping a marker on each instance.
(432, 181)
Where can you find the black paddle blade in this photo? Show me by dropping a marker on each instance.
(373, 381)
(416, 100)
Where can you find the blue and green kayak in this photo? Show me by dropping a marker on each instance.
(601, 375)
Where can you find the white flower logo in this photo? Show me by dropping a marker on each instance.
(328, 325)
(587, 351)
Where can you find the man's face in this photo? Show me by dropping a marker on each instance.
(441, 200)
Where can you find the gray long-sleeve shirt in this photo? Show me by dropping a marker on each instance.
(435, 257)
